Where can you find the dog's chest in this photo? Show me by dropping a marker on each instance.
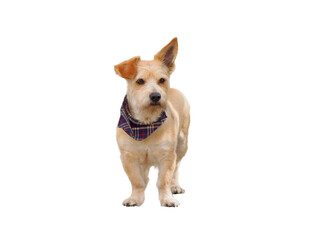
(153, 154)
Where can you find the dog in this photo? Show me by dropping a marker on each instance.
(153, 127)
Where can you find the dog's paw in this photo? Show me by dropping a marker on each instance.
(171, 202)
(177, 190)
(130, 202)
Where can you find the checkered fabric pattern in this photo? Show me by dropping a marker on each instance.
(133, 127)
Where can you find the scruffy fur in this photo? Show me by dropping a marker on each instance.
(168, 144)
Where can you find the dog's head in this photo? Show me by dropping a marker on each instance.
(148, 82)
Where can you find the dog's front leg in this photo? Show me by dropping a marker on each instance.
(166, 171)
(132, 168)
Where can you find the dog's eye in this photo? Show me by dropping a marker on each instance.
(140, 81)
(162, 80)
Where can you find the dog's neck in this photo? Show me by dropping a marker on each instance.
(146, 116)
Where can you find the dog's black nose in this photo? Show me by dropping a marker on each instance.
(155, 97)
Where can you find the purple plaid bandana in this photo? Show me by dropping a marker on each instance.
(133, 127)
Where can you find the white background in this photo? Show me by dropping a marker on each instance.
(250, 72)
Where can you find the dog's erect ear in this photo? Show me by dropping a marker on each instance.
(127, 69)
(168, 55)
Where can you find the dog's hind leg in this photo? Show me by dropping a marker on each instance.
(180, 152)
(145, 170)
(181, 149)
(175, 187)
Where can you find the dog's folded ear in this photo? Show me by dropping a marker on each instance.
(127, 69)
(168, 55)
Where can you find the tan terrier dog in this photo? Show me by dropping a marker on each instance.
(153, 127)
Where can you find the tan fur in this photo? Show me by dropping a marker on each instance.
(168, 55)
(127, 69)
(168, 144)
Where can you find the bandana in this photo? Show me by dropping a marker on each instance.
(133, 127)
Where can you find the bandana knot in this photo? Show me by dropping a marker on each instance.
(135, 129)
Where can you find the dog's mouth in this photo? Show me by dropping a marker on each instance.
(155, 104)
